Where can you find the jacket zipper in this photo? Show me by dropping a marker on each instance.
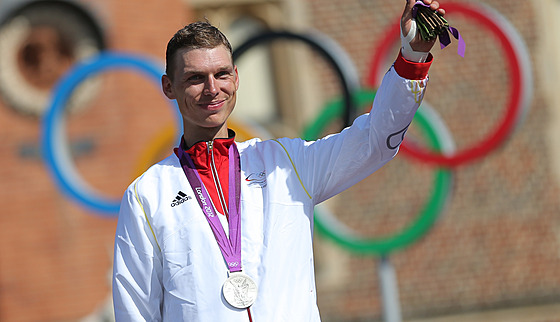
(216, 178)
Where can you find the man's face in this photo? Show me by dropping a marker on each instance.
(205, 83)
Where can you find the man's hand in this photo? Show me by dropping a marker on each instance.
(417, 43)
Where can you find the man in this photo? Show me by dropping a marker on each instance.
(222, 230)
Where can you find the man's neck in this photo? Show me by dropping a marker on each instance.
(204, 135)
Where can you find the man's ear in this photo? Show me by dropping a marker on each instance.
(167, 87)
(236, 77)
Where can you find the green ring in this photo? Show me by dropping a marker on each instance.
(424, 220)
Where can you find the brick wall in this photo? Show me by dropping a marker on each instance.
(56, 256)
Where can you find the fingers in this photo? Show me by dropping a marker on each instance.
(434, 5)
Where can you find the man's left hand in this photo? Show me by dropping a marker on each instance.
(417, 43)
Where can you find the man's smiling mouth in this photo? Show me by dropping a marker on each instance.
(213, 105)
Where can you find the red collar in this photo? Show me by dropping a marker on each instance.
(199, 152)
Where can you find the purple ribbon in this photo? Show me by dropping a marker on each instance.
(444, 39)
(230, 247)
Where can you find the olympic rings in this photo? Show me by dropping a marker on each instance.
(328, 49)
(56, 154)
(439, 138)
(58, 159)
(521, 85)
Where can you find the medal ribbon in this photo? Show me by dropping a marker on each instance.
(230, 247)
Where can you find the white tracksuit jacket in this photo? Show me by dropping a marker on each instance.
(167, 264)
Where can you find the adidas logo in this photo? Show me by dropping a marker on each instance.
(181, 197)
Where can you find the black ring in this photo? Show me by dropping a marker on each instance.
(327, 48)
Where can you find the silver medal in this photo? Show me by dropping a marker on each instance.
(240, 290)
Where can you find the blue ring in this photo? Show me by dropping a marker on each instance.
(54, 142)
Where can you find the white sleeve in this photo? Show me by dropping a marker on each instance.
(332, 164)
(137, 285)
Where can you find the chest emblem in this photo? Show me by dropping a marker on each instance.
(180, 198)
(257, 179)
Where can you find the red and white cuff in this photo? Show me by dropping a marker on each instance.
(412, 70)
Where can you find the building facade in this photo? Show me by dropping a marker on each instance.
(494, 246)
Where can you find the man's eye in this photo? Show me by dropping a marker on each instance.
(195, 78)
(223, 74)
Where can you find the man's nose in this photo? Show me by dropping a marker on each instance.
(211, 88)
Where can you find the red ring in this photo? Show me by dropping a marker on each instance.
(513, 107)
